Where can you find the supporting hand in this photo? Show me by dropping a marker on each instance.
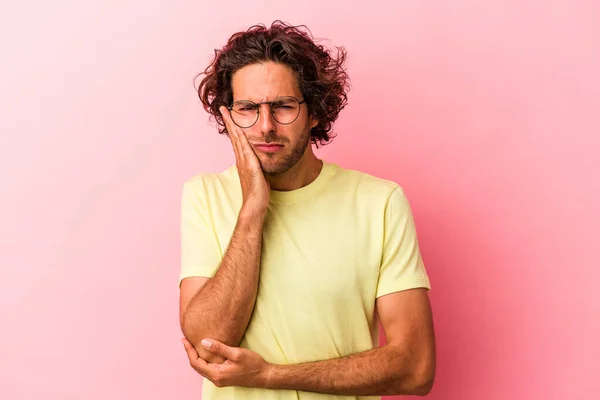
(242, 367)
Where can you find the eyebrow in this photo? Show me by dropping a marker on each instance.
(275, 98)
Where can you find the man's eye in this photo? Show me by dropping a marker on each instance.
(245, 108)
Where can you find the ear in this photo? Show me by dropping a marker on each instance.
(313, 122)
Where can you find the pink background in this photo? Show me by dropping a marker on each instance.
(487, 113)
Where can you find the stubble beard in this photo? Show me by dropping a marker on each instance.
(275, 164)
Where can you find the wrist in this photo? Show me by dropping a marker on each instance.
(252, 213)
(269, 377)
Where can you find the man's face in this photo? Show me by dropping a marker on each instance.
(267, 82)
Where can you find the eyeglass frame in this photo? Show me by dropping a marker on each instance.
(270, 103)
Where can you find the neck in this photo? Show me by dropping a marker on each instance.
(303, 173)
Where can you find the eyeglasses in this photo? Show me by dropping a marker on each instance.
(284, 110)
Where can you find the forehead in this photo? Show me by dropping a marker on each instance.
(264, 82)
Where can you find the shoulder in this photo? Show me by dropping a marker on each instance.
(367, 184)
(203, 182)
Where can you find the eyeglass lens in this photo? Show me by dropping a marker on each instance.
(284, 110)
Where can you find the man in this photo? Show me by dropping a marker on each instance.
(290, 262)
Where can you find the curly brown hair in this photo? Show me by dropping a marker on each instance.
(321, 76)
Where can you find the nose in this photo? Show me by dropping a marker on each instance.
(266, 123)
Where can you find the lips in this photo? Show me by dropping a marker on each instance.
(270, 147)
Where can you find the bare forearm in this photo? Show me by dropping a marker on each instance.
(385, 370)
(222, 308)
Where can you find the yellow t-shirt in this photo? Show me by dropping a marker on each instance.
(329, 250)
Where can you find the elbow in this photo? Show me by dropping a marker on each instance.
(187, 329)
(194, 331)
(423, 386)
(417, 382)
(194, 335)
(421, 381)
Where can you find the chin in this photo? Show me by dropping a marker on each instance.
(275, 167)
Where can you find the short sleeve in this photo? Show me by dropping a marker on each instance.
(200, 251)
(401, 266)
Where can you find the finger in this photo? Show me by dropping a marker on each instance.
(246, 149)
(216, 347)
(233, 131)
(227, 121)
(191, 351)
(245, 145)
(195, 360)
